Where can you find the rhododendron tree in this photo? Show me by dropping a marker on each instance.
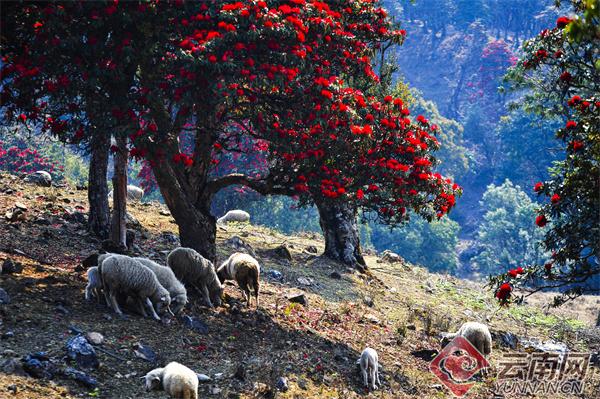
(290, 77)
(560, 71)
(26, 160)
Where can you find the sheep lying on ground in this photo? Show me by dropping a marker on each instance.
(134, 193)
(476, 333)
(236, 215)
(245, 270)
(369, 367)
(193, 269)
(94, 285)
(167, 279)
(175, 379)
(122, 274)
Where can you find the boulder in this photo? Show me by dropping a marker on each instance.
(82, 352)
(40, 177)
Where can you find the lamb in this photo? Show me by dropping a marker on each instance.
(369, 367)
(193, 269)
(476, 333)
(122, 274)
(134, 193)
(236, 215)
(245, 270)
(175, 379)
(94, 285)
(167, 279)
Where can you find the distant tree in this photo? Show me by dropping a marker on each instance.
(507, 236)
(559, 76)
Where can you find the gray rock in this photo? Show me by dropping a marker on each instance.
(368, 301)
(4, 297)
(12, 366)
(240, 245)
(61, 309)
(202, 378)
(8, 334)
(195, 324)
(335, 275)
(274, 274)
(282, 384)
(94, 338)
(282, 252)
(79, 349)
(80, 377)
(41, 178)
(170, 237)
(10, 267)
(12, 388)
(306, 281)
(391, 257)
(38, 365)
(144, 352)
(299, 298)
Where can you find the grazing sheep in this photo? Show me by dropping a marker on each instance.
(193, 269)
(369, 366)
(167, 279)
(134, 193)
(175, 379)
(245, 270)
(94, 285)
(236, 215)
(476, 333)
(122, 274)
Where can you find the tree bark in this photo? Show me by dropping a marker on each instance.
(99, 213)
(119, 225)
(197, 227)
(342, 241)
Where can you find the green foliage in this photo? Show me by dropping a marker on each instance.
(432, 245)
(507, 236)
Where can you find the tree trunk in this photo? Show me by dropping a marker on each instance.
(99, 213)
(197, 227)
(342, 241)
(119, 225)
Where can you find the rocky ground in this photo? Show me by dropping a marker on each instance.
(284, 349)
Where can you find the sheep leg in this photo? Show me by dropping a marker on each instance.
(364, 373)
(377, 374)
(206, 295)
(151, 308)
(373, 372)
(140, 307)
(88, 294)
(114, 304)
(256, 292)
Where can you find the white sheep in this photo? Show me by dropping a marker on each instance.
(175, 379)
(236, 215)
(192, 268)
(167, 279)
(476, 333)
(245, 270)
(134, 193)
(369, 367)
(94, 285)
(122, 274)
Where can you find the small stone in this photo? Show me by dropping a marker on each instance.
(282, 384)
(20, 205)
(40, 178)
(195, 324)
(335, 275)
(215, 390)
(218, 376)
(94, 338)
(80, 350)
(12, 388)
(307, 281)
(164, 212)
(107, 317)
(302, 383)
(12, 366)
(62, 310)
(203, 378)
(411, 327)
(4, 297)
(312, 249)
(80, 377)
(368, 301)
(371, 318)
(8, 353)
(144, 352)
(10, 266)
(299, 298)
(275, 274)
(8, 334)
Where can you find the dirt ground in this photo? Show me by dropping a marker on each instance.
(398, 309)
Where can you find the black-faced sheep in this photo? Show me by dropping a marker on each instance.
(167, 279)
(175, 379)
(369, 367)
(193, 269)
(245, 270)
(476, 333)
(236, 215)
(122, 274)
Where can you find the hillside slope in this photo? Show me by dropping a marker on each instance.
(398, 309)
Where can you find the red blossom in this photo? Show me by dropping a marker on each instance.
(541, 220)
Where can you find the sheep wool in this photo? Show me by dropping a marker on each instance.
(245, 270)
(122, 274)
(134, 193)
(167, 279)
(236, 215)
(176, 380)
(192, 268)
(369, 367)
(477, 334)
(94, 285)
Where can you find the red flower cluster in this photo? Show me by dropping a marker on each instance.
(541, 220)
(562, 22)
(513, 273)
(503, 292)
